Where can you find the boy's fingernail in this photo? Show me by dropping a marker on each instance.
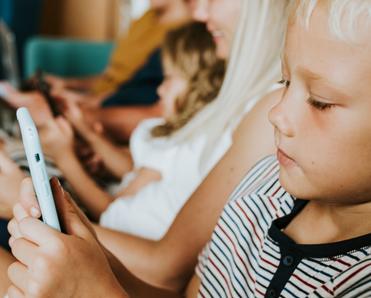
(60, 186)
(54, 180)
(11, 241)
(35, 212)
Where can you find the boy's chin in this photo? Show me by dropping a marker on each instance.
(296, 186)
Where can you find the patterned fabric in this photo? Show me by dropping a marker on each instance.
(250, 256)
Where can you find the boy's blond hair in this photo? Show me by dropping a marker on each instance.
(344, 15)
(192, 51)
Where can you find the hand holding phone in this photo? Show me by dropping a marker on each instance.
(36, 163)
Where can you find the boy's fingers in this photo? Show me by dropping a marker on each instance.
(14, 230)
(14, 292)
(71, 217)
(37, 232)
(18, 275)
(20, 213)
(24, 251)
(28, 198)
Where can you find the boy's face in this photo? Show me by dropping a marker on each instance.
(323, 121)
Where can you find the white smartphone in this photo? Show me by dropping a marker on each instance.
(35, 158)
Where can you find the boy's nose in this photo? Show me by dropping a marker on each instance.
(279, 119)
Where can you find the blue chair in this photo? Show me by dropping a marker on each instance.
(66, 57)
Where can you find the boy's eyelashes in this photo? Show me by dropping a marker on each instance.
(319, 105)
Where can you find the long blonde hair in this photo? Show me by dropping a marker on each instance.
(192, 51)
(253, 67)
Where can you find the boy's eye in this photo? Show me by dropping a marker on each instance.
(319, 105)
(285, 83)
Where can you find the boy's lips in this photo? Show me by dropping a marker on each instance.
(284, 159)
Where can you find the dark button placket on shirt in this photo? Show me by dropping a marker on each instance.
(288, 263)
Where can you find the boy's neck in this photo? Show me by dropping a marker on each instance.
(342, 222)
(174, 13)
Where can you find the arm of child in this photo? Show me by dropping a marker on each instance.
(170, 262)
(75, 264)
(82, 84)
(57, 141)
(10, 178)
(117, 160)
(120, 122)
(144, 177)
(88, 99)
(5, 261)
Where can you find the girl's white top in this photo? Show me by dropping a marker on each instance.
(150, 212)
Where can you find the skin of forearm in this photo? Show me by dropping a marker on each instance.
(82, 83)
(117, 161)
(5, 261)
(90, 194)
(121, 122)
(133, 285)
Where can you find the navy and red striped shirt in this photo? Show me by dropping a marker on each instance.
(250, 256)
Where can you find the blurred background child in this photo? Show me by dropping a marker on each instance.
(131, 77)
(158, 173)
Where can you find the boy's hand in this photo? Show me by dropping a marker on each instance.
(57, 138)
(52, 264)
(10, 180)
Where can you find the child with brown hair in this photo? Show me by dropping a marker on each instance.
(158, 172)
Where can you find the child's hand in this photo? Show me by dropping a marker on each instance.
(52, 264)
(10, 180)
(34, 101)
(68, 95)
(57, 139)
(75, 116)
(57, 83)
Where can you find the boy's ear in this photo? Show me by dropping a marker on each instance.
(72, 220)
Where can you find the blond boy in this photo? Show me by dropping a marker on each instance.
(267, 243)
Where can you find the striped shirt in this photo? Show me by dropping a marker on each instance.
(250, 256)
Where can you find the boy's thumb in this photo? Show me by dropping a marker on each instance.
(72, 220)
